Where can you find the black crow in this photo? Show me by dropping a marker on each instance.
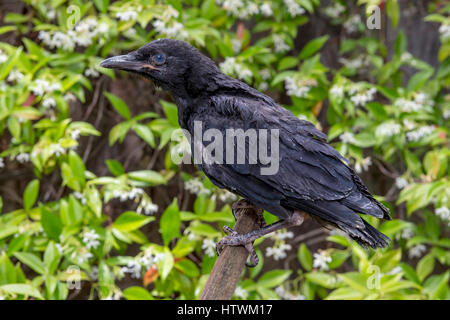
(311, 176)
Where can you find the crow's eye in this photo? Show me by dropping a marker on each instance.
(160, 58)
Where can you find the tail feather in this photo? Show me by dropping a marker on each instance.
(345, 218)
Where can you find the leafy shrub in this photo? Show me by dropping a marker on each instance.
(67, 233)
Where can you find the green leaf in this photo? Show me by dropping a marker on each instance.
(273, 278)
(393, 11)
(312, 47)
(51, 257)
(187, 267)
(305, 257)
(77, 166)
(129, 221)
(145, 133)
(425, 266)
(22, 289)
(31, 260)
(102, 5)
(345, 293)
(171, 112)
(51, 223)
(115, 167)
(170, 223)
(118, 104)
(137, 293)
(321, 278)
(148, 176)
(30, 195)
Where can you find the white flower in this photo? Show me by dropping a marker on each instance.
(49, 103)
(83, 256)
(265, 74)
(279, 44)
(335, 10)
(231, 67)
(209, 246)
(347, 137)
(237, 45)
(417, 251)
(39, 87)
(3, 57)
(23, 157)
(2, 163)
(401, 183)
(80, 196)
(91, 73)
(175, 30)
(407, 105)
(337, 91)
(443, 213)
(444, 30)
(196, 186)
(361, 98)
(285, 295)
(90, 239)
(321, 260)
(278, 252)
(351, 25)
(363, 165)
(407, 233)
(127, 15)
(388, 129)
(103, 27)
(240, 292)
(282, 235)
(51, 14)
(75, 134)
(147, 206)
(56, 149)
(266, 9)
(294, 8)
(134, 268)
(420, 133)
(227, 196)
(263, 86)
(294, 88)
(15, 75)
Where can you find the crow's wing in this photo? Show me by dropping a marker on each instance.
(312, 175)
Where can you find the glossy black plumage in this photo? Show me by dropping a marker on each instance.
(312, 175)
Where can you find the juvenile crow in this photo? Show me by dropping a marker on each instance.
(312, 176)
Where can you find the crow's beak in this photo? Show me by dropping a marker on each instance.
(127, 62)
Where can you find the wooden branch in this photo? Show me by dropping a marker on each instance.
(230, 264)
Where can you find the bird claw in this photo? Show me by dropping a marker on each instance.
(235, 239)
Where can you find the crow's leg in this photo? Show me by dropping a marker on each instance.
(246, 240)
(245, 204)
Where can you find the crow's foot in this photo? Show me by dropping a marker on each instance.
(246, 240)
(235, 239)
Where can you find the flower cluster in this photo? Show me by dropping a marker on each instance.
(233, 68)
(287, 295)
(321, 260)
(420, 133)
(196, 186)
(298, 88)
(82, 34)
(209, 246)
(388, 129)
(91, 239)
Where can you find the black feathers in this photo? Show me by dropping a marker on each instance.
(312, 176)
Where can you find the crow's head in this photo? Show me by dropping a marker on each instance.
(173, 65)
